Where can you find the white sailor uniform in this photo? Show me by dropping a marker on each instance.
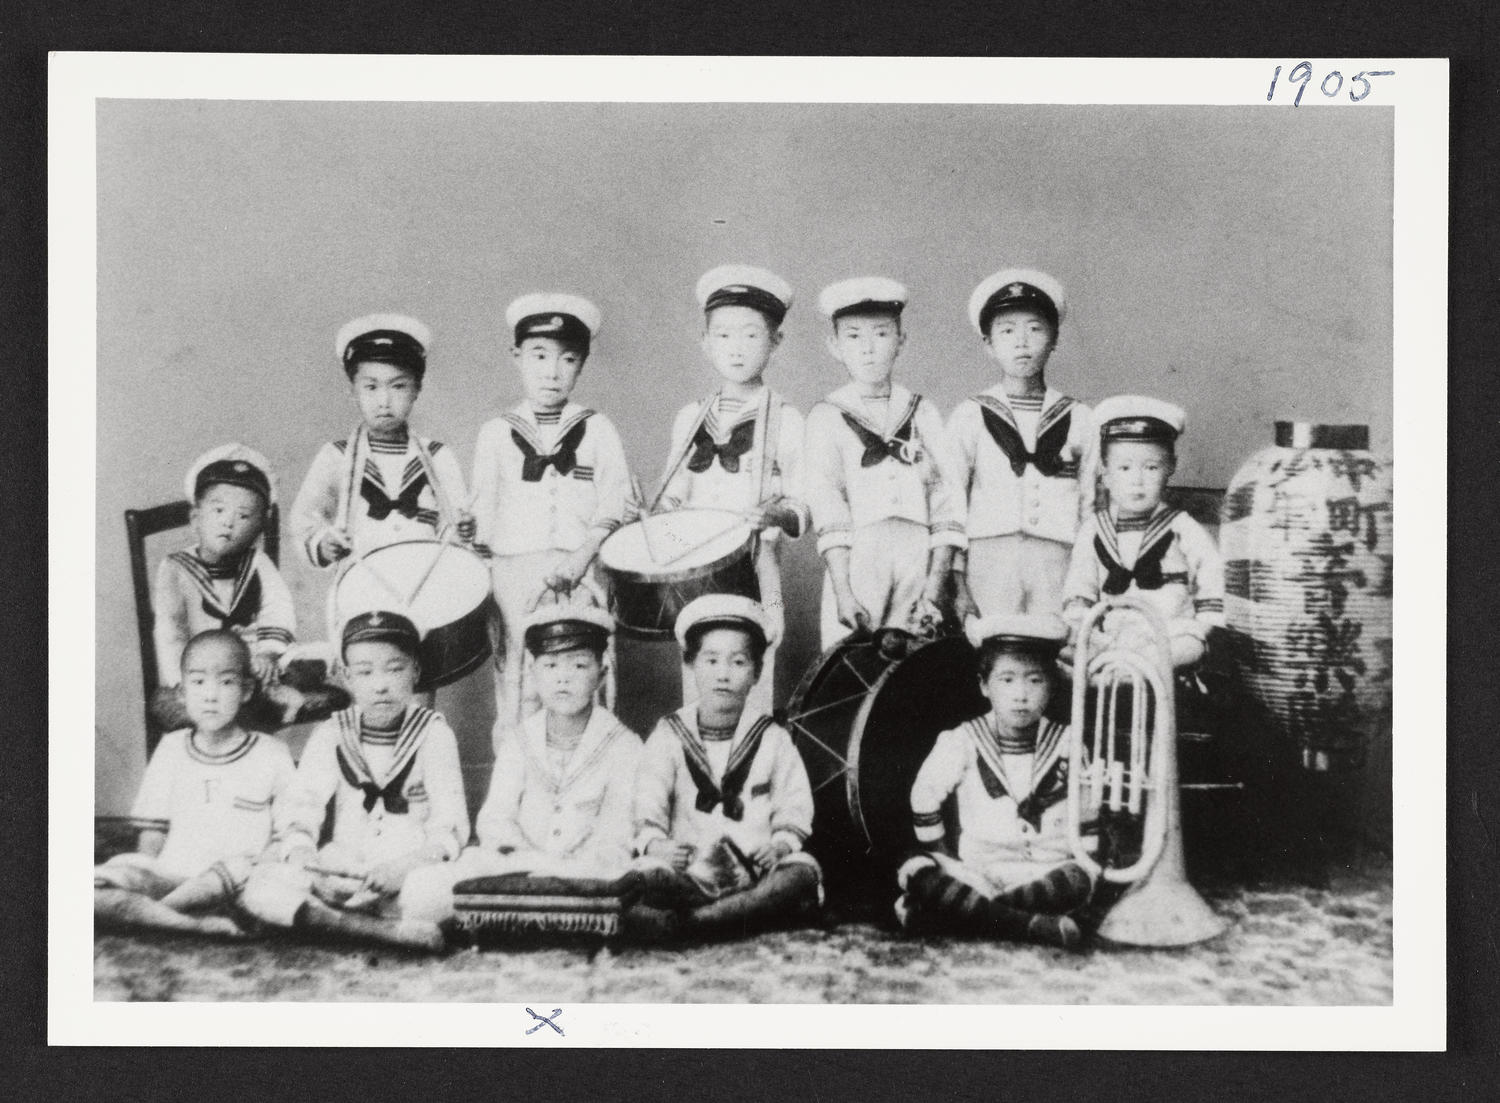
(392, 792)
(729, 444)
(212, 806)
(1168, 559)
(382, 491)
(248, 597)
(751, 788)
(1012, 808)
(1027, 468)
(880, 481)
(545, 482)
(562, 815)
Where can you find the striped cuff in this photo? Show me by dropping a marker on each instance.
(293, 838)
(142, 823)
(310, 547)
(834, 536)
(928, 826)
(947, 536)
(272, 642)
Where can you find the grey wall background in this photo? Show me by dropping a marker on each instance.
(1235, 260)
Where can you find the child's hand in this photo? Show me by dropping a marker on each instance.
(766, 857)
(572, 569)
(387, 877)
(466, 527)
(775, 625)
(964, 606)
(300, 856)
(334, 545)
(851, 613)
(265, 669)
(678, 855)
(775, 515)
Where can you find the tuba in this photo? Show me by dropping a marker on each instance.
(1122, 765)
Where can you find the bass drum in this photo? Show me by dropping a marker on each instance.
(864, 719)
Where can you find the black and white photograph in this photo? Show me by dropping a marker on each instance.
(572, 534)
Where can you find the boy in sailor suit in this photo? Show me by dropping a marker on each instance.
(718, 780)
(550, 483)
(1013, 875)
(1025, 455)
(390, 768)
(560, 795)
(205, 805)
(1137, 544)
(383, 484)
(879, 482)
(741, 448)
(225, 581)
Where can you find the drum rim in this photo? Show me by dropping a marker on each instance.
(745, 546)
(860, 722)
(857, 728)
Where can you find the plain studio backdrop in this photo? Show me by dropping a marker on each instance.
(1234, 260)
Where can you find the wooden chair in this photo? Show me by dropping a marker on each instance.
(140, 526)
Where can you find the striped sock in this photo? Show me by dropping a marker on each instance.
(932, 890)
(1057, 892)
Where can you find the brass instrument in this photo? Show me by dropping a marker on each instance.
(1123, 763)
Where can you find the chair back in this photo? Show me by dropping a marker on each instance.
(140, 526)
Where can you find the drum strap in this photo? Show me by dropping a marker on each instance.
(356, 455)
(770, 440)
(710, 795)
(446, 516)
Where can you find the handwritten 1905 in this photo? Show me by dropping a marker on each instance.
(1301, 75)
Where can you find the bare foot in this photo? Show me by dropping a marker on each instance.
(219, 926)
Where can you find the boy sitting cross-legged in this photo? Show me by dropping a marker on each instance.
(205, 805)
(1013, 875)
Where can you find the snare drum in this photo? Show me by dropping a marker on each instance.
(444, 588)
(686, 553)
(864, 718)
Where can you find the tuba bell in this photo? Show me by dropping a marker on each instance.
(1122, 769)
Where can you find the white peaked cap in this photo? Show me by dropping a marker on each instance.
(548, 302)
(841, 296)
(370, 323)
(728, 608)
(743, 275)
(235, 453)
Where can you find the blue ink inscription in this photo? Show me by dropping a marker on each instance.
(545, 1020)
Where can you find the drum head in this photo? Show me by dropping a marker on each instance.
(396, 579)
(680, 542)
(864, 723)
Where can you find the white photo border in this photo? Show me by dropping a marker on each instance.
(1416, 1020)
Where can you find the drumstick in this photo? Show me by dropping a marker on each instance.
(682, 453)
(443, 546)
(635, 488)
(380, 578)
(706, 540)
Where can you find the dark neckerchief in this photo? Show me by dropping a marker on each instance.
(705, 449)
(1050, 441)
(736, 773)
(878, 448)
(564, 456)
